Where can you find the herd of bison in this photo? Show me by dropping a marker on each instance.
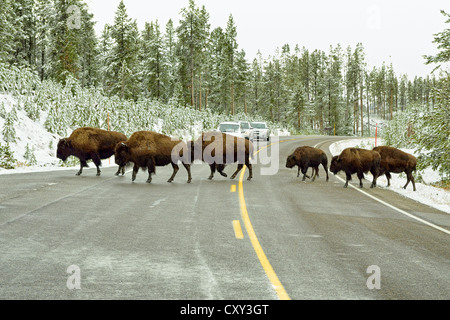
(147, 150)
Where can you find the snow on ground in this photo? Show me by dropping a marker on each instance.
(31, 133)
(34, 134)
(432, 196)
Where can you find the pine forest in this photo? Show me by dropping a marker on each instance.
(188, 72)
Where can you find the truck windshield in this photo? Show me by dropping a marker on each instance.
(229, 127)
(259, 125)
(245, 125)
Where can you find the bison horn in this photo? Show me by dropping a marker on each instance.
(123, 144)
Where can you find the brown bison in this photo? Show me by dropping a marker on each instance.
(147, 149)
(396, 161)
(305, 157)
(90, 143)
(359, 161)
(219, 149)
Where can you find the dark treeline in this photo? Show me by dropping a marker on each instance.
(195, 65)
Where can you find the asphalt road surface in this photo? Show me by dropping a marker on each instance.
(86, 237)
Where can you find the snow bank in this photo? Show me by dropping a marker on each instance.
(435, 197)
(44, 144)
(31, 133)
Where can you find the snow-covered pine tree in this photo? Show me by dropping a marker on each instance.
(29, 155)
(7, 160)
(65, 41)
(170, 62)
(192, 33)
(7, 31)
(88, 49)
(152, 69)
(105, 46)
(44, 13)
(124, 55)
(9, 132)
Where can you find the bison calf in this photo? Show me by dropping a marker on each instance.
(359, 161)
(305, 157)
(90, 143)
(147, 149)
(396, 161)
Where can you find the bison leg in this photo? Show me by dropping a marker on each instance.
(188, 169)
(213, 170)
(315, 173)
(348, 177)
(151, 169)
(410, 178)
(135, 171)
(298, 172)
(83, 164)
(175, 170)
(98, 162)
(326, 169)
(250, 171)
(121, 168)
(220, 168)
(360, 177)
(304, 173)
(239, 167)
(388, 177)
(375, 174)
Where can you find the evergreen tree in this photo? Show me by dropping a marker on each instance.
(256, 84)
(88, 49)
(9, 132)
(192, 33)
(442, 39)
(170, 62)
(7, 31)
(152, 63)
(7, 160)
(29, 155)
(64, 56)
(44, 12)
(24, 36)
(123, 62)
(230, 52)
(105, 50)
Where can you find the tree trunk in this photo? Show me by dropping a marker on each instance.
(362, 113)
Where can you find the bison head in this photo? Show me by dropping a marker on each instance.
(290, 161)
(122, 154)
(335, 165)
(64, 149)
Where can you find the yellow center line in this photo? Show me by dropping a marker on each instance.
(233, 188)
(270, 272)
(237, 229)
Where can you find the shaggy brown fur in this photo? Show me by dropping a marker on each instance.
(219, 149)
(359, 161)
(90, 143)
(396, 161)
(305, 157)
(147, 149)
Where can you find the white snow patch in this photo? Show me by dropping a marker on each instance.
(44, 143)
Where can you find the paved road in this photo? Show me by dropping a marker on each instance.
(300, 240)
